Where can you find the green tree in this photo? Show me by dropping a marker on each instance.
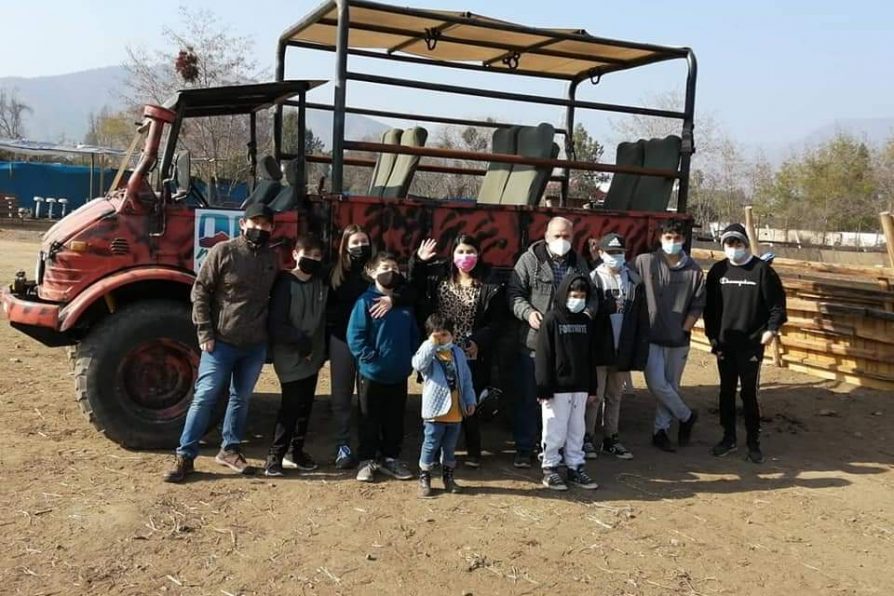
(110, 129)
(583, 183)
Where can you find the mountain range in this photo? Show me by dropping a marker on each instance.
(61, 106)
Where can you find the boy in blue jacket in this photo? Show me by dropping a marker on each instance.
(448, 394)
(383, 348)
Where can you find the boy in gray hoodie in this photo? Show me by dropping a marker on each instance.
(675, 295)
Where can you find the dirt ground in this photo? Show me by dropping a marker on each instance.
(80, 515)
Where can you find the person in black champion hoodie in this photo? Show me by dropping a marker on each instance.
(744, 312)
(565, 372)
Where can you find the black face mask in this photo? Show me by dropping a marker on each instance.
(389, 279)
(257, 236)
(309, 266)
(359, 254)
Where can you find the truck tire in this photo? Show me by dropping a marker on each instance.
(135, 373)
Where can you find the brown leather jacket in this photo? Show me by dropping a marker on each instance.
(232, 291)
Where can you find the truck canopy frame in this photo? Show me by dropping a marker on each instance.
(467, 41)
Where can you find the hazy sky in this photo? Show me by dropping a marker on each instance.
(770, 71)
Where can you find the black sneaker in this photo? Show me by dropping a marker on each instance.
(472, 462)
(344, 458)
(590, 451)
(553, 480)
(724, 447)
(661, 440)
(301, 461)
(612, 446)
(424, 484)
(395, 468)
(755, 455)
(685, 432)
(581, 479)
(522, 459)
(273, 467)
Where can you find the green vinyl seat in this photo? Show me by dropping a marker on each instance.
(633, 192)
(393, 173)
(503, 141)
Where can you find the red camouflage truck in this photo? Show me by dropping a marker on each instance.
(112, 279)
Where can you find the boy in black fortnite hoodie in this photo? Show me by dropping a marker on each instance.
(745, 310)
(565, 371)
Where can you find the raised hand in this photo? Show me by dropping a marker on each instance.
(427, 249)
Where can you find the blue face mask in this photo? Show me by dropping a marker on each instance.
(613, 261)
(444, 347)
(736, 255)
(576, 305)
(672, 248)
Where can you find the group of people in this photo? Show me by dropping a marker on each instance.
(580, 332)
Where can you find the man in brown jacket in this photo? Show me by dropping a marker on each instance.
(230, 298)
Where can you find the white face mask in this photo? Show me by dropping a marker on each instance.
(559, 247)
(735, 254)
(672, 248)
(575, 305)
(613, 262)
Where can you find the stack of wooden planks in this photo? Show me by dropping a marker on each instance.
(841, 321)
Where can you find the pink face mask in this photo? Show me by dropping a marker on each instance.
(465, 263)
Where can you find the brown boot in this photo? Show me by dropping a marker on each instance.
(182, 468)
(233, 459)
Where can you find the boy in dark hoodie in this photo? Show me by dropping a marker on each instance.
(384, 349)
(565, 371)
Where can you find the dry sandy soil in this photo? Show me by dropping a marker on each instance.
(81, 515)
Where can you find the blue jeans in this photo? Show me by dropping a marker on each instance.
(526, 412)
(227, 366)
(439, 437)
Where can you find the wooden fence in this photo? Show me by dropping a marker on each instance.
(840, 321)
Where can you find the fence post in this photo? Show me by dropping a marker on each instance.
(752, 233)
(888, 228)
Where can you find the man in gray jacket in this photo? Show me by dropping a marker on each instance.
(675, 295)
(531, 291)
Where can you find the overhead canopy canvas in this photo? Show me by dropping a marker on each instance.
(466, 37)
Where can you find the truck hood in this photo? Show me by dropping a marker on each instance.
(76, 221)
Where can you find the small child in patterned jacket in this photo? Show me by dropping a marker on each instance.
(447, 396)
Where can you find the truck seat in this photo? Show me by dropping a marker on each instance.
(526, 183)
(644, 193)
(503, 141)
(287, 199)
(268, 185)
(405, 165)
(384, 164)
(653, 193)
(620, 192)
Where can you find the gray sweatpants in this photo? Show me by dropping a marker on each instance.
(608, 402)
(663, 373)
(343, 379)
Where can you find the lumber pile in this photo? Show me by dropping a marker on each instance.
(841, 321)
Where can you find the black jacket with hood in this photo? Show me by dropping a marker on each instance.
(567, 347)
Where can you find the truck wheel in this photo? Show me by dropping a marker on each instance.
(135, 372)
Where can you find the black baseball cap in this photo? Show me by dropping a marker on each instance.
(258, 210)
(612, 242)
(734, 231)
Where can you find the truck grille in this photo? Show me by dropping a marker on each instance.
(119, 246)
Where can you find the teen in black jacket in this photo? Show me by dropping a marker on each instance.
(565, 372)
(463, 290)
(745, 310)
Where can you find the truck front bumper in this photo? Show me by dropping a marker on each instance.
(36, 319)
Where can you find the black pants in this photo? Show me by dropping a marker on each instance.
(294, 416)
(472, 424)
(742, 365)
(382, 410)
